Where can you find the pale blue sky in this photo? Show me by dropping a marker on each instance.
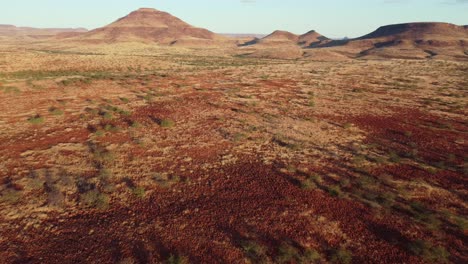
(333, 18)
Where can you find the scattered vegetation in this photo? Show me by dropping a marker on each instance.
(177, 259)
(341, 255)
(430, 253)
(96, 199)
(36, 120)
(10, 196)
(55, 111)
(167, 123)
(254, 251)
(290, 254)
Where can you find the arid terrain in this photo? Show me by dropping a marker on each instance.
(196, 149)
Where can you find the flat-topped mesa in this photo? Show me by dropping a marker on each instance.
(418, 30)
(150, 25)
(146, 9)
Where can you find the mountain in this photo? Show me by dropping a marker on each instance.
(416, 40)
(311, 38)
(282, 45)
(151, 26)
(407, 41)
(279, 37)
(418, 31)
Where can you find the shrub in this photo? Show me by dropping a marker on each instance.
(107, 115)
(341, 255)
(36, 120)
(287, 254)
(334, 190)
(462, 223)
(254, 251)
(427, 251)
(347, 125)
(55, 111)
(167, 123)
(110, 128)
(308, 184)
(424, 215)
(177, 259)
(310, 256)
(139, 192)
(94, 198)
(10, 196)
(394, 157)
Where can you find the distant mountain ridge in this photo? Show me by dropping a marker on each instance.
(417, 40)
(286, 37)
(14, 31)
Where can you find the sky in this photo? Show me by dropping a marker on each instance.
(332, 18)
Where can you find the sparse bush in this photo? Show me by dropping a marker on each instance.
(462, 223)
(55, 111)
(342, 256)
(394, 157)
(310, 256)
(107, 115)
(99, 133)
(424, 215)
(287, 254)
(94, 198)
(177, 259)
(386, 199)
(335, 190)
(139, 192)
(66, 82)
(167, 123)
(254, 251)
(239, 136)
(135, 124)
(111, 128)
(36, 120)
(344, 183)
(11, 89)
(290, 254)
(286, 142)
(308, 184)
(10, 196)
(428, 252)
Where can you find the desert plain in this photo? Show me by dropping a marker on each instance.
(135, 152)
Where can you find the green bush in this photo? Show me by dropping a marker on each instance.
(334, 190)
(36, 120)
(95, 199)
(342, 256)
(290, 254)
(139, 192)
(310, 256)
(177, 259)
(254, 251)
(287, 254)
(428, 252)
(10, 196)
(167, 123)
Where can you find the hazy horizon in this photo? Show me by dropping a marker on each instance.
(243, 16)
